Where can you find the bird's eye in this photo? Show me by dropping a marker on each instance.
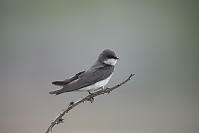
(111, 57)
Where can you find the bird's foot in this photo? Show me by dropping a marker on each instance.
(90, 97)
(89, 93)
(108, 91)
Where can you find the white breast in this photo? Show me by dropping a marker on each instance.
(96, 86)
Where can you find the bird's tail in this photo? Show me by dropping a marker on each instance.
(57, 92)
(59, 83)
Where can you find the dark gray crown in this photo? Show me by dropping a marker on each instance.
(107, 54)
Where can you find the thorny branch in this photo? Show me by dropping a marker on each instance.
(90, 98)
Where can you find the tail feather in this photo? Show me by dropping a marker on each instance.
(66, 81)
(59, 83)
(57, 92)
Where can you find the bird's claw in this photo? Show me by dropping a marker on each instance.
(108, 91)
(89, 93)
(90, 98)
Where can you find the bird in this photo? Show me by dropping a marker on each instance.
(95, 78)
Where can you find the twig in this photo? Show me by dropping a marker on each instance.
(90, 98)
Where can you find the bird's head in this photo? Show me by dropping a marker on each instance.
(108, 57)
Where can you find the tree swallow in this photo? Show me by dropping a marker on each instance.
(96, 77)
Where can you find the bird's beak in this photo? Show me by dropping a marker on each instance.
(116, 58)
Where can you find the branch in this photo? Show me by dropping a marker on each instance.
(90, 98)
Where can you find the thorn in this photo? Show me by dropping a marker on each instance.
(71, 103)
(61, 120)
(51, 130)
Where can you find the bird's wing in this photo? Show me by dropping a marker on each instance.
(66, 81)
(87, 78)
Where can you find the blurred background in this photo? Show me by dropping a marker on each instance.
(46, 40)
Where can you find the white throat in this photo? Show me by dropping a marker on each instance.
(110, 62)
